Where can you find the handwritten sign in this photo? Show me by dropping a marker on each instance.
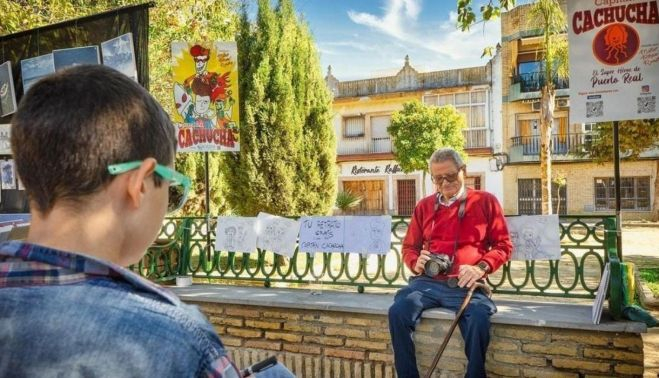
(614, 60)
(277, 234)
(368, 234)
(235, 234)
(321, 234)
(535, 237)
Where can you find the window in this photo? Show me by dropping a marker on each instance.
(471, 104)
(634, 193)
(530, 67)
(529, 197)
(473, 182)
(379, 127)
(353, 127)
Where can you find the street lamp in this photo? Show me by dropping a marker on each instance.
(498, 161)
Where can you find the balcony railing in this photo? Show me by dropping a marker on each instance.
(475, 138)
(533, 82)
(561, 144)
(361, 146)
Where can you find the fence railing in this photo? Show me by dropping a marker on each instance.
(185, 247)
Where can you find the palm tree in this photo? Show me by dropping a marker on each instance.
(346, 200)
(549, 16)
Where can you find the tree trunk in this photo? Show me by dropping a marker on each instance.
(546, 125)
(655, 205)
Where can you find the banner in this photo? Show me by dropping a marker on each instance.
(206, 96)
(614, 60)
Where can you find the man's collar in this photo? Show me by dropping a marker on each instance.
(451, 200)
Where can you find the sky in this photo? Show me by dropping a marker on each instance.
(362, 39)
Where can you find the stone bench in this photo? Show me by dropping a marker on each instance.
(341, 334)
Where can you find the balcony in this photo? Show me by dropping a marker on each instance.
(527, 86)
(359, 146)
(563, 147)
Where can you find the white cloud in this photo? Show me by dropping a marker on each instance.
(453, 48)
(398, 14)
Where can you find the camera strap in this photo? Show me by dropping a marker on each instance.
(461, 213)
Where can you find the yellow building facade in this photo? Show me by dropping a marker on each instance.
(589, 187)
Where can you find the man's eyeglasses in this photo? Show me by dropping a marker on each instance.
(439, 180)
(179, 184)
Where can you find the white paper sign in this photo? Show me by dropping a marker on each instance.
(614, 60)
(235, 234)
(5, 139)
(368, 234)
(321, 234)
(277, 234)
(535, 237)
(7, 174)
(598, 305)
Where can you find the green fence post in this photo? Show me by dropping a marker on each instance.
(615, 279)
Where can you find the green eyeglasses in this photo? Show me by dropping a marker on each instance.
(179, 184)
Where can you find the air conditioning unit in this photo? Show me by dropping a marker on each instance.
(563, 102)
(536, 106)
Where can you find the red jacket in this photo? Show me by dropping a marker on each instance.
(483, 234)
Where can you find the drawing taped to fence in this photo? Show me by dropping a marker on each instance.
(235, 234)
(535, 237)
(277, 234)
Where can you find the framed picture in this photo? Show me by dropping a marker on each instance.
(119, 54)
(7, 174)
(75, 56)
(5, 139)
(7, 92)
(33, 69)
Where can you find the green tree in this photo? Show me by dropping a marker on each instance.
(635, 137)
(287, 157)
(184, 20)
(418, 130)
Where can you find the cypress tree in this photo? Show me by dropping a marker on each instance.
(286, 162)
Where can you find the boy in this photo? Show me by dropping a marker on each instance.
(94, 151)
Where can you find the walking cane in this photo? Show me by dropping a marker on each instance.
(475, 286)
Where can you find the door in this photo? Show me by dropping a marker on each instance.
(372, 193)
(406, 196)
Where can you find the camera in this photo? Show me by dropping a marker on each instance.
(439, 263)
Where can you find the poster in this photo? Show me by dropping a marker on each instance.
(614, 60)
(7, 92)
(205, 94)
(5, 139)
(598, 305)
(119, 54)
(368, 234)
(535, 237)
(75, 56)
(321, 234)
(277, 234)
(235, 234)
(7, 174)
(33, 69)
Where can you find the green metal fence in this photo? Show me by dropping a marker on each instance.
(186, 247)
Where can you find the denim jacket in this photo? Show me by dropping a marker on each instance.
(65, 314)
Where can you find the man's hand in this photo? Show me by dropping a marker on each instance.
(421, 261)
(469, 274)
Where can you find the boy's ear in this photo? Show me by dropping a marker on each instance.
(136, 181)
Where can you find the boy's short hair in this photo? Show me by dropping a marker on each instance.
(71, 125)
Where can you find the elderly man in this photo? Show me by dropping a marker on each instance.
(466, 229)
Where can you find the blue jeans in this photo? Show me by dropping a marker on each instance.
(423, 293)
